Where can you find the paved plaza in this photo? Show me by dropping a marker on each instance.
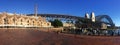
(37, 37)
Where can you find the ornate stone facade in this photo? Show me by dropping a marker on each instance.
(20, 20)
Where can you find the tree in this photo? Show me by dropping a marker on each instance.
(56, 23)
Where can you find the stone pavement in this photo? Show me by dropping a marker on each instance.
(36, 37)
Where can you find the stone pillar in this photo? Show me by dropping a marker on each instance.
(87, 15)
(93, 17)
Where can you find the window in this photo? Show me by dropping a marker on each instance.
(33, 22)
(5, 21)
(28, 21)
(14, 20)
(21, 20)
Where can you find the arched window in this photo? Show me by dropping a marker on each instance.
(14, 19)
(33, 22)
(21, 20)
(5, 21)
(28, 21)
(48, 24)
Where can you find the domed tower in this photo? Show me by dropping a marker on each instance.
(87, 16)
(93, 17)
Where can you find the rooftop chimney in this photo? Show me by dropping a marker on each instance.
(36, 9)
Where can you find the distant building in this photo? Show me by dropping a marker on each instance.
(68, 25)
(19, 20)
(103, 26)
(93, 17)
(87, 16)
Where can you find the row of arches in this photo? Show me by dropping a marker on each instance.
(24, 21)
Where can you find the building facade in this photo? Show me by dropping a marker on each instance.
(19, 20)
(68, 25)
(93, 17)
(103, 26)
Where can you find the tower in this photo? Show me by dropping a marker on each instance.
(93, 17)
(36, 9)
(87, 15)
(14, 19)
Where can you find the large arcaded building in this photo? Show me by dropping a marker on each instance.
(19, 20)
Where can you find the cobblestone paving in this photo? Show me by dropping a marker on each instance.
(36, 37)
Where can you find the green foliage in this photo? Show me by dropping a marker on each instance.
(56, 23)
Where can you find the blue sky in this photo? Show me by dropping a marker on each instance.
(71, 7)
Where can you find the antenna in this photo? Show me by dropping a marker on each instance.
(36, 9)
